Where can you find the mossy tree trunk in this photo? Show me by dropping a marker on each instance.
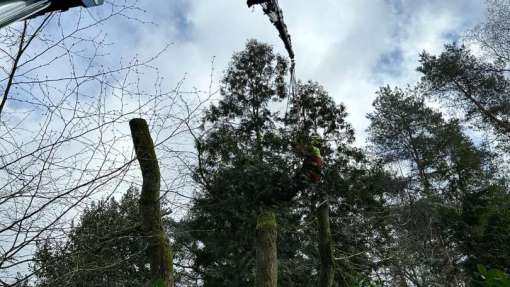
(327, 261)
(399, 280)
(159, 249)
(266, 252)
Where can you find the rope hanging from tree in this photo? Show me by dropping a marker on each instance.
(311, 151)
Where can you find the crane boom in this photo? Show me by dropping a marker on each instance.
(275, 14)
(12, 11)
(17, 10)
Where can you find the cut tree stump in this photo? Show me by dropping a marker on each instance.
(159, 249)
(266, 252)
(327, 261)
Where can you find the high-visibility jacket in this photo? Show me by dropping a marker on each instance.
(312, 165)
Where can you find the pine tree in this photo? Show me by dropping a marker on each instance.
(105, 248)
(443, 168)
(479, 88)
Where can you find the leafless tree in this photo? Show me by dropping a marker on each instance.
(64, 134)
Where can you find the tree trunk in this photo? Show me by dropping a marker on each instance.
(499, 123)
(327, 261)
(399, 280)
(159, 249)
(267, 260)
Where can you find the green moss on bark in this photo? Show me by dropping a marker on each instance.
(266, 219)
(159, 250)
(266, 252)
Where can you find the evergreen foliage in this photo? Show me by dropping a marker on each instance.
(105, 248)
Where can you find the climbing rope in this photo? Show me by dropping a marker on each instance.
(272, 9)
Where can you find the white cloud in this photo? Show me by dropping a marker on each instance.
(341, 44)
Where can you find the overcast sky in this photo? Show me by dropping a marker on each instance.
(352, 47)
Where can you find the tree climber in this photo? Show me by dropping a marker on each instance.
(312, 163)
(308, 175)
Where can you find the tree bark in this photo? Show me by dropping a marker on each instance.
(159, 249)
(266, 252)
(399, 279)
(327, 261)
(499, 123)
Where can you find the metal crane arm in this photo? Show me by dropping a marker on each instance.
(17, 10)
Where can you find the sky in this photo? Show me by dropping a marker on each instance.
(352, 47)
